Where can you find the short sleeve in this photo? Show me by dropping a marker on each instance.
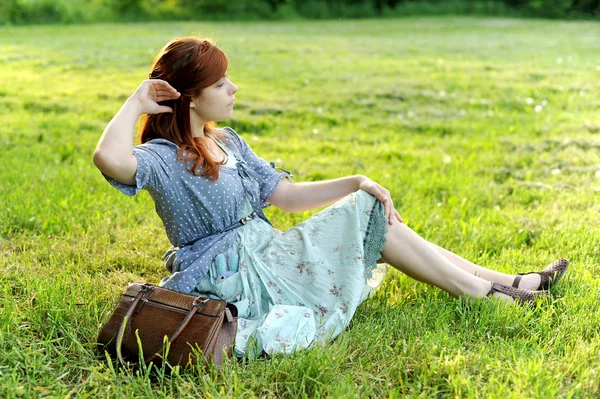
(268, 176)
(148, 174)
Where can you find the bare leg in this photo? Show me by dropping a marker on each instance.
(531, 281)
(410, 253)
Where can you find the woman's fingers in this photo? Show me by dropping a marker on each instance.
(161, 85)
(383, 195)
(152, 91)
(160, 82)
(163, 94)
(163, 108)
(160, 90)
(388, 204)
(400, 219)
(380, 193)
(392, 208)
(165, 98)
(166, 89)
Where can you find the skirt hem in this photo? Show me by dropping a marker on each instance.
(374, 241)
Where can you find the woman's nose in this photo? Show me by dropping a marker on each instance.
(234, 88)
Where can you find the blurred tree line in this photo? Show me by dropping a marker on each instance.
(83, 11)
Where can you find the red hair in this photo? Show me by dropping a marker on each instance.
(189, 64)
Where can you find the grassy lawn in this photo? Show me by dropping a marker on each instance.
(486, 131)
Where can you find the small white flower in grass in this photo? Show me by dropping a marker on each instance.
(315, 131)
(559, 60)
(254, 138)
(529, 101)
(32, 219)
(447, 159)
(410, 114)
(598, 68)
(442, 93)
(581, 93)
(462, 112)
(555, 171)
(544, 103)
(440, 61)
(490, 114)
(538, 108)
(497, 208)
(598, 174)
(319, 110)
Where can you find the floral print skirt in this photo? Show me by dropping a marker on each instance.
(301, 286)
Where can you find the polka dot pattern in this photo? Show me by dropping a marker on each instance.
(195, 210)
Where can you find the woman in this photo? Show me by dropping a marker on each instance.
(293, 288)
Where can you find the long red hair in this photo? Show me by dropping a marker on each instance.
(189, 64)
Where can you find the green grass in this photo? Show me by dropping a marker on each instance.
(442, 111)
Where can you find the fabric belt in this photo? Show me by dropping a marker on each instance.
(240, 222)
(171, 254)
(235, 225)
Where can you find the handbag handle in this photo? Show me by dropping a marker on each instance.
(197, 305)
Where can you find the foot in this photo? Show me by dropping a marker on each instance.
(512, 294)
(529, 281)
(542, 280)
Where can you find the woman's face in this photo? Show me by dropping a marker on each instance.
(216, 101)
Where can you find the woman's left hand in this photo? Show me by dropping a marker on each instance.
(382, 195)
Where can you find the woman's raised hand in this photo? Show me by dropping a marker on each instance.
(382, 195)
(153, 91)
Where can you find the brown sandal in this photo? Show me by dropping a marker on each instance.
(519, 295)
(549, 276)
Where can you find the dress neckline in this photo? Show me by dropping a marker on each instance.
(227, 169)
(228, 153)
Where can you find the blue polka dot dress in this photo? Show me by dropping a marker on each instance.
(291, 288)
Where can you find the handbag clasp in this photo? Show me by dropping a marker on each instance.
(201, 300)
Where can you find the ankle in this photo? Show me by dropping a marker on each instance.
(477, 290)
(530, 281)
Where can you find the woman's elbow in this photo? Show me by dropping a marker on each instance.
(278, 203)
(99, 159)
(281, 197)
(105, 162)
(120, 170)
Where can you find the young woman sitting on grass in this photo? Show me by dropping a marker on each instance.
(291, 288)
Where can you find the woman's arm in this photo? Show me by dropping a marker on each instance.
(299, 197)
(114, 151)
(311, 195)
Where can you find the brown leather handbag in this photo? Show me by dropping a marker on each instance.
(168, 321)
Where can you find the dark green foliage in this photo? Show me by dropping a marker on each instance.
(81, 11)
